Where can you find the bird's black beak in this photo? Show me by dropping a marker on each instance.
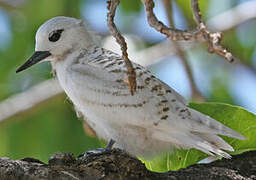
(35, 58)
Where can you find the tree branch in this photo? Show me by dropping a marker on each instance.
(212, 39)
(112, 5)
(173, 34)
(26, 100)
(116, 164)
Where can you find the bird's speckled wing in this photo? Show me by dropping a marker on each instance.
(109, 70)
(106, 73)
(154, 104)
(110, 67)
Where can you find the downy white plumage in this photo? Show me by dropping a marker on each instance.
(154, 120)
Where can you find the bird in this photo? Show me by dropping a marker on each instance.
(154, 120)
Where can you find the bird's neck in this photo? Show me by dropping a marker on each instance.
(66, 61)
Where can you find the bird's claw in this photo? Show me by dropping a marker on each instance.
(98, 150)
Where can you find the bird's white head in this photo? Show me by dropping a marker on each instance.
(56, 38)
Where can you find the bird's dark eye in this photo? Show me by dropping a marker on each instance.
(55, 35)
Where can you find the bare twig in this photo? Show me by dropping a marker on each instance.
(212, 39)
(172, 33)
(195, 92)
(112, 5)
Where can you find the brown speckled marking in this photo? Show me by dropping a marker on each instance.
(114, 93)
(139, 105)
(95, 50)
(103, 62)
(147, 79)
(166, 109)
(109, 65)
(154, 88)
(121, 105)
(164, 101)
(168, 91)
(164, 117)
(140, 87)
(120, 62)
(184, 113)
(119, 80)
(116, 71)
(140, 74)
(139, 68)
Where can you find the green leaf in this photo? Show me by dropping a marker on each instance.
(131, 6)
(234, 117)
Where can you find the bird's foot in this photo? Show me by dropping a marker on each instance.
(98, 150)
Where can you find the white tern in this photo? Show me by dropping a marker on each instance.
(154, 120)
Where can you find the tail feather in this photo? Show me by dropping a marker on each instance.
(198, 131)
(206, 124)
(207, 143)
(210, 149)
(216, 141)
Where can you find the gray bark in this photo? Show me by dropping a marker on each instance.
(116, 164)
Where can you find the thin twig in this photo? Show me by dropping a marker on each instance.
(212, 39)
(195, 92)
(112, 5)
(172, 33)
